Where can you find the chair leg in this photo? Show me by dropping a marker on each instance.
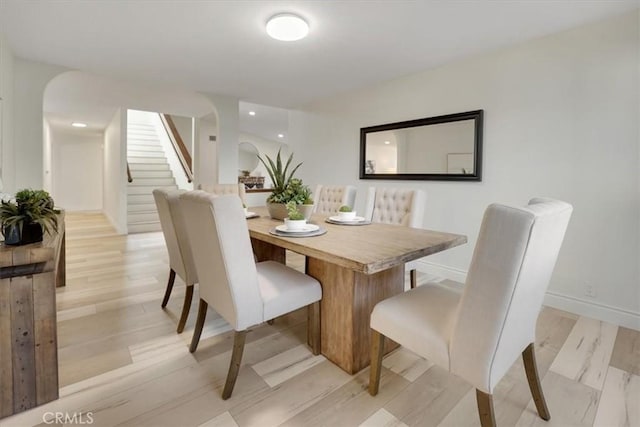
(270, 322)
(202, 314)
(234, 365)
(531, 369)
(313, 327)
(414, 280)
(186, 306)
(485, 409)
(377, 349)
(167, 293)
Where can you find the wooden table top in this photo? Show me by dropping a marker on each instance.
(365, 248)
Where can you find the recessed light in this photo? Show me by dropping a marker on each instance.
(287, 27)
(79, 125)
(280, 135)
(387, 142)
(252, 113)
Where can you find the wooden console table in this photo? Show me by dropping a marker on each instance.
(29, 275)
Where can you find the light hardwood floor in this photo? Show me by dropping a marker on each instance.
(121, 362)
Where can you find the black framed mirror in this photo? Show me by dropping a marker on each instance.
(442, 148)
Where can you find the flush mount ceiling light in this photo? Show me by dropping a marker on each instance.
(280, 135)
(79, 125)
(252, 113)
(287, 27)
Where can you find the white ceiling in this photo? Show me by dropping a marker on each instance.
(221, 46)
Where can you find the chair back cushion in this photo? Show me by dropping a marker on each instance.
(509, 273)
(396, 206)
(223, 256)
(175, 234)
(328, 199)
(225, 189)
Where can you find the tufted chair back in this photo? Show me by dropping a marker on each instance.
(396, 206)
(224, 190)
(329, 198)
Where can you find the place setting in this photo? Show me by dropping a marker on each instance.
(296, 225)
(250, 215)
(346, 216)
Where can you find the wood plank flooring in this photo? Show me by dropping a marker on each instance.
(122, 363)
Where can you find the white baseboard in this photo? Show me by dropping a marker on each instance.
(442, 271)
(606, 313)
(595, 310)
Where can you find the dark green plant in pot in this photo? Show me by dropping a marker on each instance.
(24, 220)
(280, 177)
(286, 188)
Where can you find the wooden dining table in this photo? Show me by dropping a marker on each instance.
(357, 267)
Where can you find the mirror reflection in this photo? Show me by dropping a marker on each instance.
(247, 157)
(442, 148)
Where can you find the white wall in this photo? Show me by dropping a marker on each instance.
(205, 168)
(76, 171)
(115, 166)
(47, 158)
(7, 163)
(30, 81)
(227, 111)
(561, 120)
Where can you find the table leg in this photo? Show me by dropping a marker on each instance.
(348, 297)
(264, 251)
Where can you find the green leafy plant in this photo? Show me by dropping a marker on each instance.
(294, 213)
(30, 206)
(344, 208)
(286, 188)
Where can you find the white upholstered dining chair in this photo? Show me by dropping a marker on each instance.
(398, 206)
(328, 199)
(477, 335)
(225, 189)
(243, 292)
(175, 237)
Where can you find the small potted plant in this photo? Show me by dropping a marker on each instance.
(24, 220)
(345, 213)
(295, 220)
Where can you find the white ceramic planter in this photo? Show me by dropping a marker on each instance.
(295, 225)
(347, 216)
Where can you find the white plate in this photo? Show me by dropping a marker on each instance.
(250, 214)
(308, 228)
(355, 219)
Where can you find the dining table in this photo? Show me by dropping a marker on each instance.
(357, 267)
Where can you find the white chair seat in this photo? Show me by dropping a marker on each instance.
(479, 334)
(284, 290)
(421, 319)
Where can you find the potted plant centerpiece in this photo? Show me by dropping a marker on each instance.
(24, 220)
(286, 188)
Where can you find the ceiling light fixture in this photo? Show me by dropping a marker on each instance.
(387, 142)
(79, 125)
(280, 135)
(252, 113)
(287, 27)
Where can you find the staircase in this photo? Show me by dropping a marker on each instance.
(150, 170)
